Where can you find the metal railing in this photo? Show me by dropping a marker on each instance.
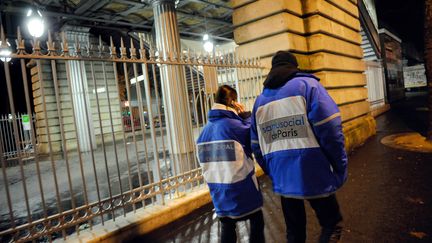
(7, 136)
(87, 167)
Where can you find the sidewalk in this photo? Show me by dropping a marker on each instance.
(388, 198)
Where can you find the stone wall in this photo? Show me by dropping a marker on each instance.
(324, 36)
(53, 115)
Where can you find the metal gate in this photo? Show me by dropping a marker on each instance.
(7, 136)
(101, 142)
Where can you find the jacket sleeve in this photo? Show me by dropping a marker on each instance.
(241, 133)
(326, 123)
(256, 149)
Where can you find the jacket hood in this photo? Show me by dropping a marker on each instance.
(284, 67)
(279, 76)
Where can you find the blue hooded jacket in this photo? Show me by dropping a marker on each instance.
(224, 154)
(297, 138)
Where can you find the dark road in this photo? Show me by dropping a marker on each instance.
(388, 196)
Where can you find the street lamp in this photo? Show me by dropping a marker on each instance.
(35, 23)
(5, 51)
(208, 44)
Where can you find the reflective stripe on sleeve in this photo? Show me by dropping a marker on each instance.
(327, 119)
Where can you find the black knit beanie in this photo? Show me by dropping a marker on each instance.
(284, 68)
(283, 58)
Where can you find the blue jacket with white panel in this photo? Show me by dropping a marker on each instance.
(297, 138)
(225, 155)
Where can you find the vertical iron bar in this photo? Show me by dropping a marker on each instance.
(194, 103)
(257, 81)
(250, 83)
(189, 155)
(193, 91)
(15, 128)
(39, 69)
(203, 114)
(177, 158)
(173, 156)
(206, 108)
(158, 104)
(102, 135)
(20, 134)
(10, 149)
(113, 140)
(90, 137)
(124, 136)
(6, 183)
(126, 76)
(143, 129)
(62, 133)
(233, 74)
(227, 68)
(69, 82)
(152, 125)
(5, 139)
(33, 135)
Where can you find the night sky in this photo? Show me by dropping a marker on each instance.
(404, 18)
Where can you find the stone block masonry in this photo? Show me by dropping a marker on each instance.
(324, 36)
(47, 114)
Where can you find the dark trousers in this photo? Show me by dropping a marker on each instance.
(327, 212)
(256, 235)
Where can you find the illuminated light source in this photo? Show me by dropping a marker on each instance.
(35, 23)
(99, 90)
(138, 79)
(5, 51)
(208, 44)
(206, 37)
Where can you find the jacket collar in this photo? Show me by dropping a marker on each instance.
(219, 111)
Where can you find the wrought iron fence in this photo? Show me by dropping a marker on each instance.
(7, 136)
(104, 137)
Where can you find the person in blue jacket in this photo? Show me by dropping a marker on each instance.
(225, 155)
(297, 139)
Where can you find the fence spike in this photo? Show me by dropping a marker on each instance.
(88, 48)
(65, 45)
(142, 50)
(123, 54)
(77, 47)
(20, 43)
(132, 50)
(51, 45)
(2, 35)
(113, 52)
(100, 46)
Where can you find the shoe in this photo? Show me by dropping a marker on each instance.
(331, 235)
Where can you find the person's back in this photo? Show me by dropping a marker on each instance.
(297, 139)
(225, 156)
(287, 123)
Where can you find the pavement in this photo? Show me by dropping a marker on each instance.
(387, 198)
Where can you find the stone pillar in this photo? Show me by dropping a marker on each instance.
(176, 106)
(324, 36)
(79, 87)
(45, 107)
